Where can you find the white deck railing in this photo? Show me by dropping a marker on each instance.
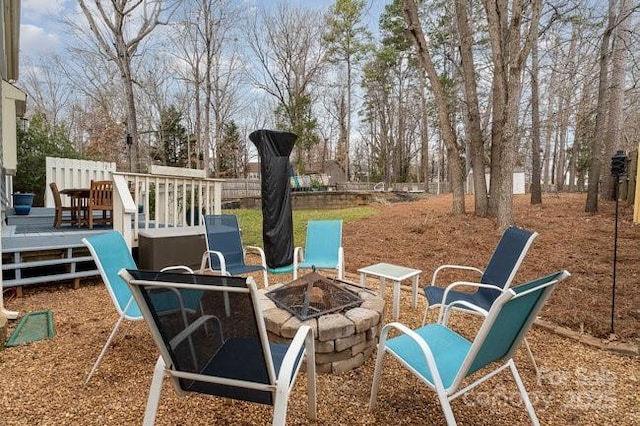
(71, 173)
(149, 201)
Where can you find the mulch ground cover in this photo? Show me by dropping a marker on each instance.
(41, 383)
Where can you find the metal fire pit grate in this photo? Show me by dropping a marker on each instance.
(313, 295)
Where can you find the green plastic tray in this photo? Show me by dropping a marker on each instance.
(33, 326)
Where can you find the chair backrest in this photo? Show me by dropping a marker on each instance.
(225, 340)
(101, 194)
(506, 260)
(508, 321)
(323, 241)
(223, 235)
(111, 253)
(57, 200)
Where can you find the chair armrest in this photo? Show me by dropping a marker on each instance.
(200, 322)
(424, 347)
(260, 251)
(302, 341)
(205, 259)
(177, 268)
(445, 310)
(451, 286)
(460, 267)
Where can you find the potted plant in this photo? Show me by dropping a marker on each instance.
(22, 202)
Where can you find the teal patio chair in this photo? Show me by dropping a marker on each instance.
(225, 252)
(224, 350)
(322, 249)
(500, 272)
(110, 254)
(442, 358)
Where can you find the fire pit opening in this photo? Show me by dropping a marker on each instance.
(313, 295)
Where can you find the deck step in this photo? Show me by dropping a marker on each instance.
(41, 259)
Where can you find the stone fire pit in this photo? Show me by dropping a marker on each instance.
(343, 340)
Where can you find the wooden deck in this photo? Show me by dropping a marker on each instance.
(34, 252)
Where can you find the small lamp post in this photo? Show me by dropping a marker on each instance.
(618, 169)
(129, 141)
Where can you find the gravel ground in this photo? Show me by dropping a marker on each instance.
(41, 383)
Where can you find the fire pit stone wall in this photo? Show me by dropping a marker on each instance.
(343, 341)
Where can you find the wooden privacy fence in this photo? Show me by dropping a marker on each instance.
(240, 188)
(70, 173)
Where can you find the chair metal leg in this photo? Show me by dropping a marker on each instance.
(523, 393)
(154, 393)
(377, 372)
(533, 361)
(446, 407)
(104, 349)
(311, 379)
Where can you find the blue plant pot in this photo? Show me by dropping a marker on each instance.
(22, 202)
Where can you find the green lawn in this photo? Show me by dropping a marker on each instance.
(250, 221)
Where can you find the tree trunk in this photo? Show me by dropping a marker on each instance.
(613, 140)
(424, 135)
(471, 97)
(348, 132)
(509, 51)
(598, 139)
(456, 175)
(536, 189)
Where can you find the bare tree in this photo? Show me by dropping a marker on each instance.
(615, 121)
(206, 41)
(348, 41)
(118, 29)
(536, 190)
(471, 97)
(290, 60)
(446, 127)
(46, 90)
(598, 142)
(509, 51)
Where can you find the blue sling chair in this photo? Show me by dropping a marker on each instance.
(500, 272)
(322, 249)
(223, 350)
(441, 358)
(225, 252)
(110, 254)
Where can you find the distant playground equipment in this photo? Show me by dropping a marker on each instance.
(310, 182)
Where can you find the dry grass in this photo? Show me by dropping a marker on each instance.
(42, 382)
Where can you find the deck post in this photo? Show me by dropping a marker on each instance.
(4, 312)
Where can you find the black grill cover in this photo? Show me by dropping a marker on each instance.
(274, 149)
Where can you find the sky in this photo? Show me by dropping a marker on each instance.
(42, 31)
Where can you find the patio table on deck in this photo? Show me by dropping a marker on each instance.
(79, 202)
(397, 274)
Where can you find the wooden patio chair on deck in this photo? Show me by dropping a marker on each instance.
(100, 199)
(59, 217)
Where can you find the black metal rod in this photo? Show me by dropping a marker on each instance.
(615, 256)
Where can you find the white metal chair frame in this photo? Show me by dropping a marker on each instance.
(122, 312)
(446, 395)
(280, 385)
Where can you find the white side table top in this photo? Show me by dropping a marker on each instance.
(389, 271)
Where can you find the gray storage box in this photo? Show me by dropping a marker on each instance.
(162, 247)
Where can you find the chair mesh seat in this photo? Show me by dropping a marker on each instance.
(217, 340)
